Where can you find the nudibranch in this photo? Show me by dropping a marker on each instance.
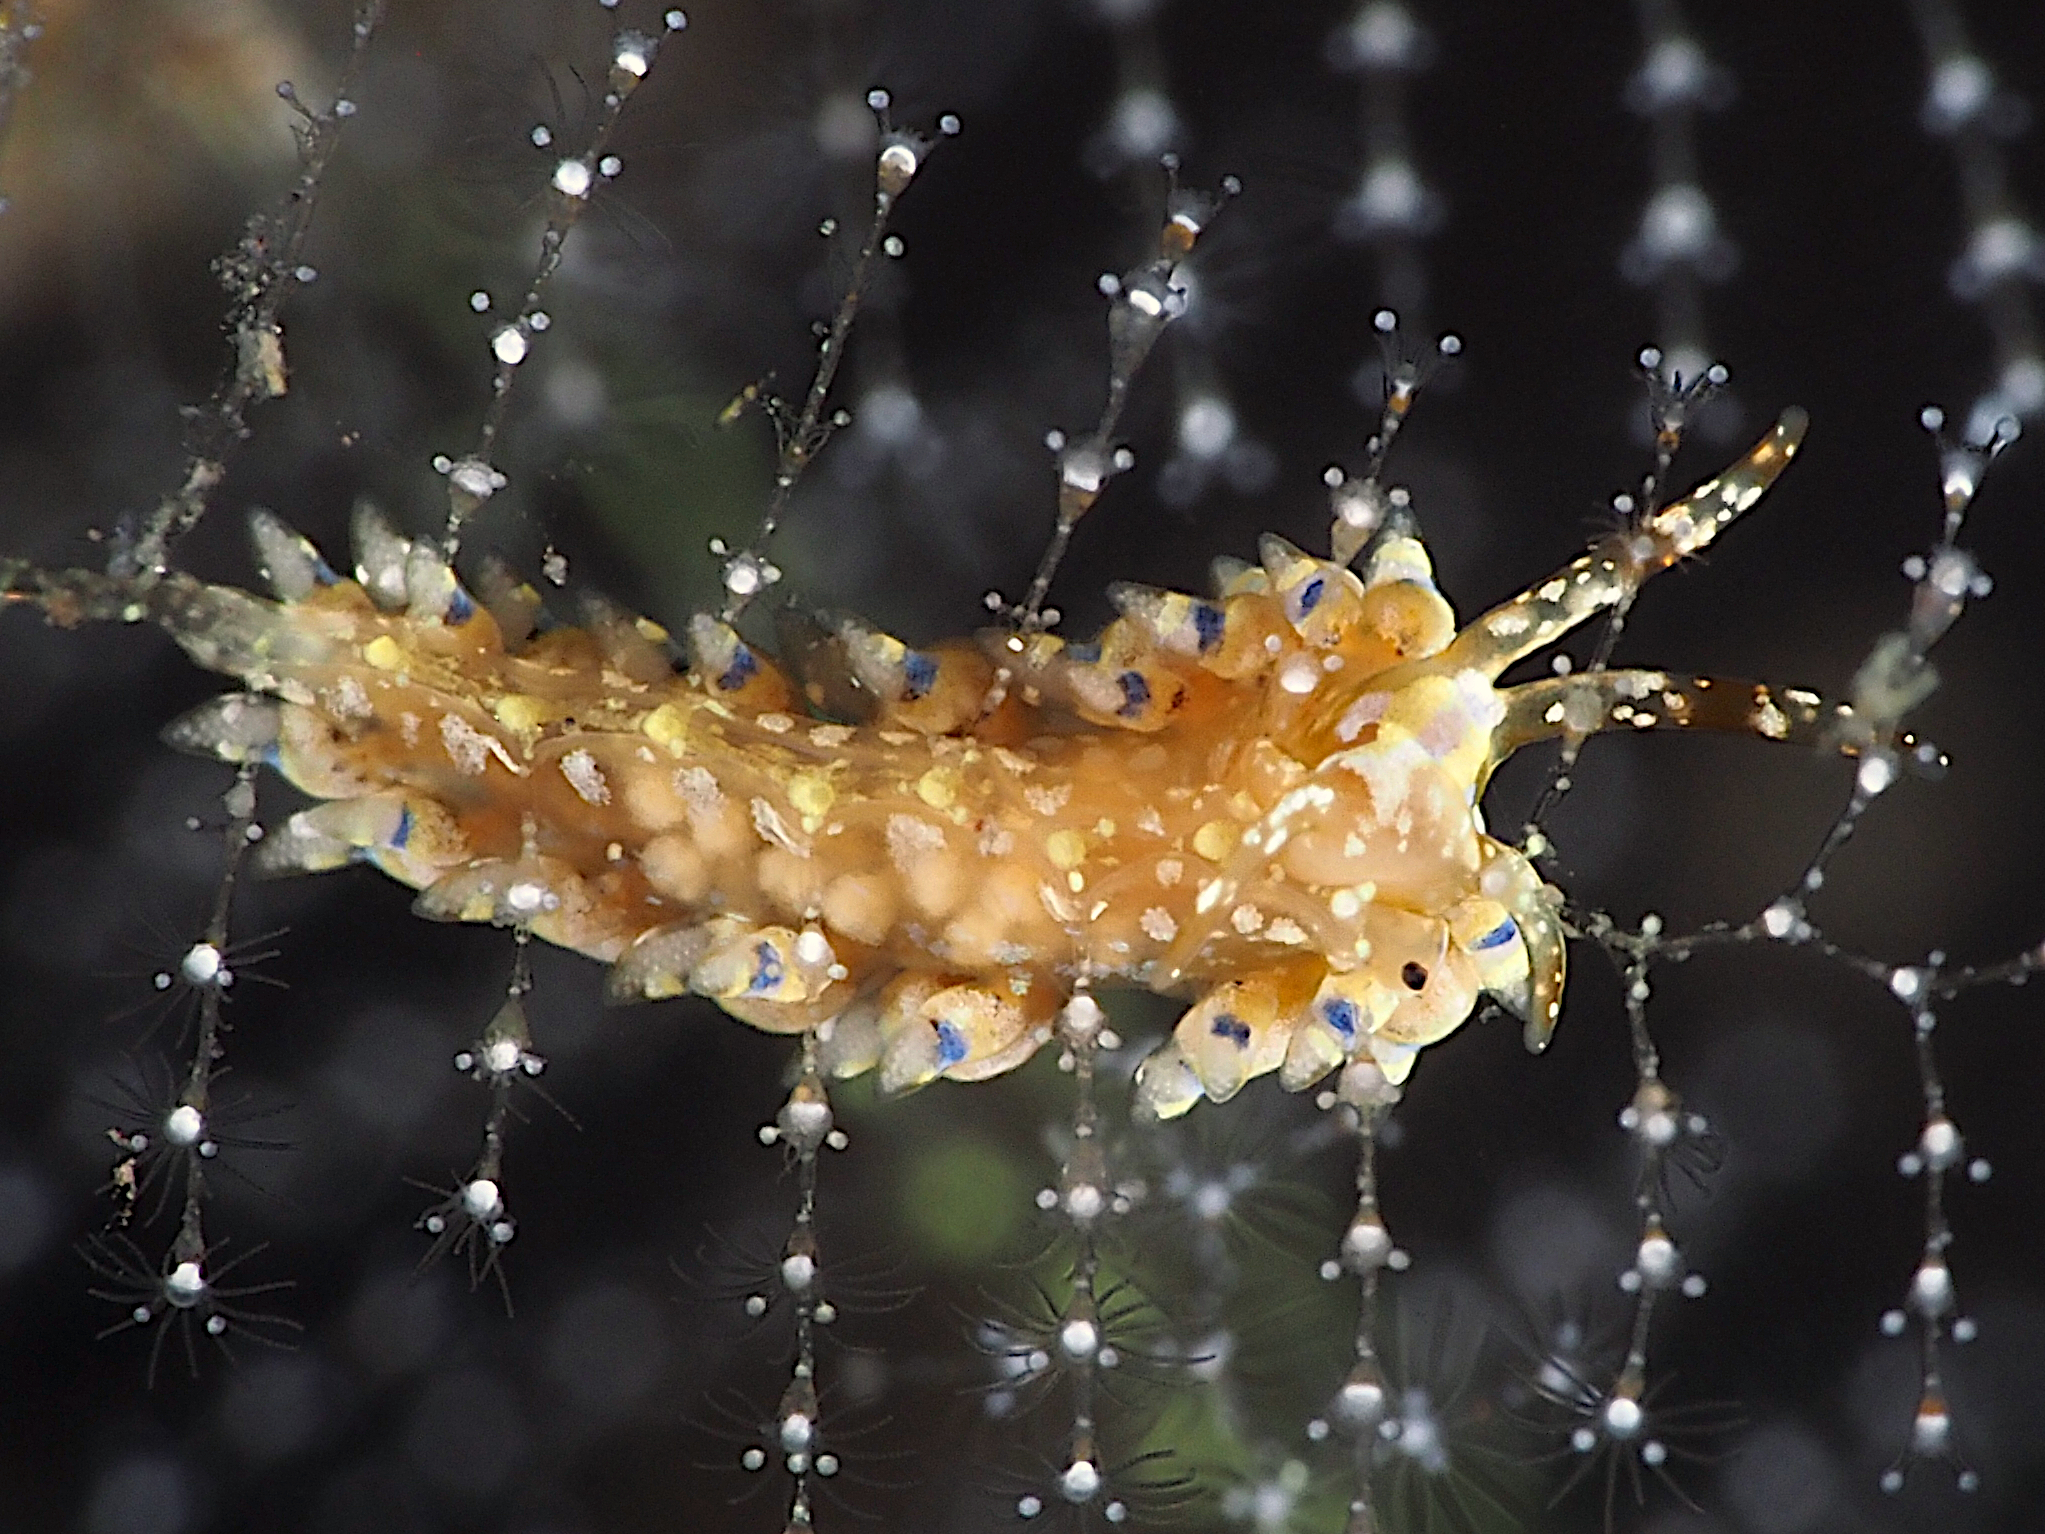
(1266, 801)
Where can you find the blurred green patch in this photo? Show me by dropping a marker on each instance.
(962, 1201)
(665, 478)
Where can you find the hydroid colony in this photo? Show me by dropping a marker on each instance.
(943, 888)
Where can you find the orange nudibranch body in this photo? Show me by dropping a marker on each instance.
(1266, 800)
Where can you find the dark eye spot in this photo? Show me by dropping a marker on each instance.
(1415, 976)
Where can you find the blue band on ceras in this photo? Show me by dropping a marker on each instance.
(768, 969)
(919, 675)
(1339, 1013)
(1234, 1029)
(400, 834)
(742, 669)
(1209, 625)
(951, 1045)
(1135, 694)
(1497, 937)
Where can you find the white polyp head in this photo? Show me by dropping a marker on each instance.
(1211, 1200)
(1206, 426)
(1779, 920)
(1931, 1430)
(203, 964)
(184, 1125)
(509, 346)
(798, 1272)
(1418, 1434)
(572, 178)
(1657, 1259)
(1961, 85)
(475, 478)
(184, 1285)
(1931, 1287)
(481, 1198)
(1366, 1244)
(1360, 1403)
(1940, 1143)
(797, 1432)
(1876, 772)
(1084, 1201)
(1079, 1339)
(635, 54)
(1622, 1416)
(500, 1055)
(1081, 1019)
(1080, 1481)
(805, 1119)
(897, 165)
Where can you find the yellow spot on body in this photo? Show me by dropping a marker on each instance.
(1215, 840)
(384, 653)
(1066, 849)
(667, 726)
(939, 787)
(520, 712)
(812, 795)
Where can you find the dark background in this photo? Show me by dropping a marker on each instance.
(607, 1401)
